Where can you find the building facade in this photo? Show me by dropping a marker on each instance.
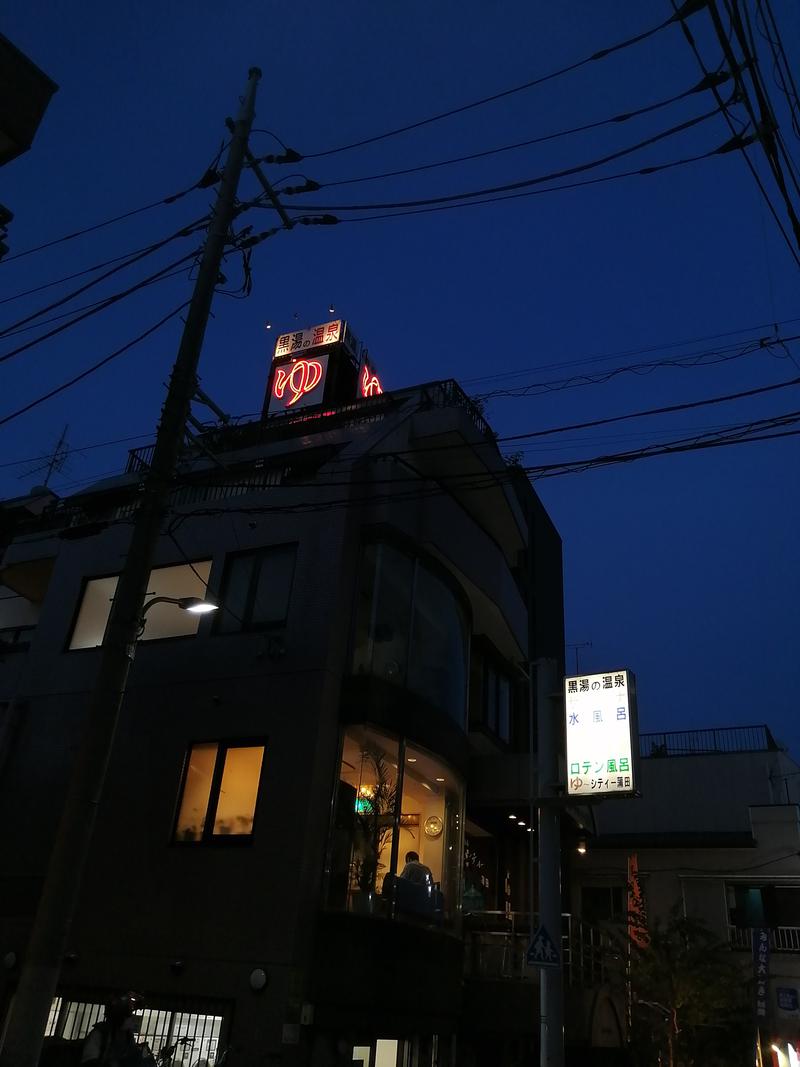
(382, 576)
(716, 833)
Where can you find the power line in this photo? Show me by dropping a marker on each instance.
(777, 49)
(526, 183)
(709, 358)
(77, 450)
(208, 179)
(95, 367)
(633, 351)
(615, 119)
(86, 307)
(603, 53)
(76, 274)
(114, 299)
(691, 42)
(185, 231)
(642, 172)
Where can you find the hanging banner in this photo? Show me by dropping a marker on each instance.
(637, 913)
(761, 970)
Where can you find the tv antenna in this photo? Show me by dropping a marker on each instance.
(55, 462)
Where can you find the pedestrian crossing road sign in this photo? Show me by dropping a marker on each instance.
(542, 951)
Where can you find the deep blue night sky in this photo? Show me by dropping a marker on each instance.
(685, 567)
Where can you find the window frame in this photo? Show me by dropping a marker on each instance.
(208, 837)
(494, 668)
(381, 534)
(116, 574)
(246, 625)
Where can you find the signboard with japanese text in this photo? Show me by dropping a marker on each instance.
(292, 344)
(601, 734)
(761, 970)
(298, 383)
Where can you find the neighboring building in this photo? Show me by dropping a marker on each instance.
(25, 92)
(357, 696)
(717, 833)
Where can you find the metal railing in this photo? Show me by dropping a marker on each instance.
(495, 945)
(781, 938)
(701, 742)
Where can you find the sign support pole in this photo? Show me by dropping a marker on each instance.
(551, 988)
(61, 893)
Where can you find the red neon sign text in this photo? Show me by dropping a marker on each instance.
(370, 384)
(301, 377)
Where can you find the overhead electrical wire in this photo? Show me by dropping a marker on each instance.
(96, 309)
(617, 119)
(784, 69)
(504, 93)
(641, 172)
(490, 479)
(76, 274)
(634, 351)
(96, 303)
(709, 358)
(149, 250)
(525, 183)
(764, 119)
(95, 366)
(756, 177)
(209, 178)
(77, 450)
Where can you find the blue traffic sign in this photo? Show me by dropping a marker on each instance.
(542, 951)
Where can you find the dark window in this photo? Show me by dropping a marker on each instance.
(497, 702)
(256, 589)
(411, 629)
(219, 792)
(605, 903)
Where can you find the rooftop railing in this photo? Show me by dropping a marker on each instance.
(726, 739)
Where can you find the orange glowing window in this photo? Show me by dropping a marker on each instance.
(220, 792)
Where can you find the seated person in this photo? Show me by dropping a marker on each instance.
(416, 872)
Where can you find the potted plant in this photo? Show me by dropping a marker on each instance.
(374, 820)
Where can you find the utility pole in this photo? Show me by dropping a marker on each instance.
(551, 987)
(39, 978)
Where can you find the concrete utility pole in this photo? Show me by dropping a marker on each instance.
(39, 979)
(551, 988)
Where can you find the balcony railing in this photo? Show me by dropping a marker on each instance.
(495, 945)
(781, 938)
(703, 742)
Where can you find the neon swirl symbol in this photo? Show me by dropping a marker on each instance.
(303, 376)
(370, 385)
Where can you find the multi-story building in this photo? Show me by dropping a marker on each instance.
(716, 833)
(382, 575)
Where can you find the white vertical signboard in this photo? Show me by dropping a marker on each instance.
(602, 736)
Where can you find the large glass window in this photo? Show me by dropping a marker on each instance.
(220, 790)
(411, 629)
(162, 620)
(397, 835)
(256, 589)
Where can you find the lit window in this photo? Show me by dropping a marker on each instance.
(256, 589)
(162, 620)
(220, 790)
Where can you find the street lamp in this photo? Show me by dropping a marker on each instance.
(195, 605)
